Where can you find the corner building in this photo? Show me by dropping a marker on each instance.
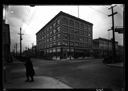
(65, 36)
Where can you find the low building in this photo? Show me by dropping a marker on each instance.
(5, 42)
(65, 36)
(103, 47)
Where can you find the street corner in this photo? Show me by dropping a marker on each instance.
(39, 82)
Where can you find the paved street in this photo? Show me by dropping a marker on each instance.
(89, 73)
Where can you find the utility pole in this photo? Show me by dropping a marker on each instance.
(113, 32)
(69, 48)
(32, 49)
(20, 41)
(16, 49)
(78, 11)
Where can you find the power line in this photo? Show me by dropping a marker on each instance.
(113, 31)
(97, 10)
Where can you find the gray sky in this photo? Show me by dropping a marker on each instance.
(32, 19)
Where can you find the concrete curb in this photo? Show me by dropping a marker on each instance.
(39, 82)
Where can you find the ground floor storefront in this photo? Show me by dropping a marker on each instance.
(64, 52)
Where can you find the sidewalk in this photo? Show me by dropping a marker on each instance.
(39, 83)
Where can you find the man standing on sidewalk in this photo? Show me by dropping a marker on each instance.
(29, 69)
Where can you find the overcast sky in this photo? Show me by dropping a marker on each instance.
(32, 19)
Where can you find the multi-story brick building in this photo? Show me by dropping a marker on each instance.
(103, 47)
(64, 36)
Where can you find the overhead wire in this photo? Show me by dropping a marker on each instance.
(97, 10)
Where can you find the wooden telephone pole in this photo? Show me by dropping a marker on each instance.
(20, 41)
(113, 31)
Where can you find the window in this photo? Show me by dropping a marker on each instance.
(89, 28)
(81, 44)
(85, 26)
(47, 40)
(54, 38)
(76, 24)
(58, 43)
(51, 44)
(54, 24)
(71, 37)
(58, 36)
(42, 37)
(81, 39)
(48, 45)
(85, 33)
(77, 38)
(76, 31)
(54, 43)
(65, 42)
(54, 31)
(51, 33)
(54, 49)
(65, 20)
(50, 51)
(58, 49)
(85, 44)
(65, 28)
(47, 30)
(76, 44)
(50, 27)
(82, 26)
(58, 21)
(89, 34)
(80, 32)
(71, 30)
(71, 43)
(50, 39)
(65, 36)
(85, 39)
(71, 23)
(58, 28)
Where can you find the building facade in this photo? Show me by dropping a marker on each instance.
(103, 47)
(65, 36)
(5, 42)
